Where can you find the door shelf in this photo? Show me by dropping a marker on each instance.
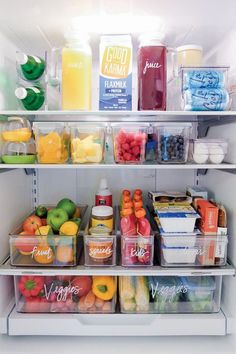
(117, 324)
(7, 269)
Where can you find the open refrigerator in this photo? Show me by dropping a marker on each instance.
(36, 27)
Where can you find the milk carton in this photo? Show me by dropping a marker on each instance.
(115, 79)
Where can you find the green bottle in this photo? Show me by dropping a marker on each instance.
(32, 98)
(32, 67)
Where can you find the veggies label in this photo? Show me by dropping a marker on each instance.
(60, 293)
(168, 292)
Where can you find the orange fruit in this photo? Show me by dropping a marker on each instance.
(64, 254)
(43, 254)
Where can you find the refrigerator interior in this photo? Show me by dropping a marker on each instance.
(36, 27)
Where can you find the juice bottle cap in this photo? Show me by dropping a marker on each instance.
(140, 213)
(128, 204)
(126, 211)
(21, 93)
(137, 197)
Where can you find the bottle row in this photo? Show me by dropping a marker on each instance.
(100, 294)
(80, 143)
(69, 70)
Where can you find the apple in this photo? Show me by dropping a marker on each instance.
(25, 243)
(41, 211)
(31, 224)
(83, 283)
(68, 205)
(57, 217)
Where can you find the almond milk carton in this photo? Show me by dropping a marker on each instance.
(115, 79)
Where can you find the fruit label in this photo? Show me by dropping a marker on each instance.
(47, 253)
(60, 293)
(167, 292)
(115, 73)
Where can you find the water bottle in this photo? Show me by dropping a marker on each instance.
(32, 97)
(206, 100)
(32, 67)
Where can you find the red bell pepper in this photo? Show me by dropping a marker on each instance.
(31, 285)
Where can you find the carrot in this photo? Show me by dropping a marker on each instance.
(89, 299)
(99, 302)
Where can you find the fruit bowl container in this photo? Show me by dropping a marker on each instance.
(195, 251)
(173, 142)
(65, 294)
(17, 129)
(208, 150)
(52, 142)
(19, 152)
(100, 245)
(47, 249)
(87, 143)
(129, 143)
(170, 294)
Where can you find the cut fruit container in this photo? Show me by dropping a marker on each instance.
(87, 143)
(17, 129)
(129, 143)
(170, 294)
(53, 250)
(65, 294)
(19, 152)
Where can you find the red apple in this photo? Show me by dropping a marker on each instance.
(31, 224)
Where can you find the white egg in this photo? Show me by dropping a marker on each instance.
(200, 158)
(216, 158)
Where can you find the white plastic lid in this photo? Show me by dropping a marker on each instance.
(152, 38)
(21, 58)
(21, 93)
(75, 35)
(189, 47)
(102, 211)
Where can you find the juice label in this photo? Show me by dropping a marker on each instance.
(115, 74)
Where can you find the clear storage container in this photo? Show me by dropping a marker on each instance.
(87, 143)
(18, 152)
(65, 293)
(173, 142)
(194, 251)
(129, 143)
(16, 129)
(52, 142)
(137, 250)
(170, 294)
(50, 250)
(209, 150)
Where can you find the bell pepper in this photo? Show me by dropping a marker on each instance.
(104, 287)
(31, 285)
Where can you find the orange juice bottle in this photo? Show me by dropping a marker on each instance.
(76, 71)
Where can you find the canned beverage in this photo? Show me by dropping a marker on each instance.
(206, 100)
(209, 79)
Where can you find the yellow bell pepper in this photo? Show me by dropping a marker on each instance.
(104, 287)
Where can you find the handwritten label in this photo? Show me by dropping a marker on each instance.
(94, 252)
(151, 65)
(168, 292)
(62, 293)
(141, 252)
(46, 253)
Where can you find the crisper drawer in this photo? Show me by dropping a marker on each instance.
(47, 247)
(170, 294)
(65, 294)
(195, 251)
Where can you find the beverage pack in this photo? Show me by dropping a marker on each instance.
(115, 79)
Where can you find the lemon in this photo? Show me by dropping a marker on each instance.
(69, 228)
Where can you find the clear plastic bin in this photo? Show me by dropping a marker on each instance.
(52, 142)
(170, 294)
(45, 251)
(209, 150)
(87, 143)
(137, 250)
(129, 143)
(173, 142)
(65, 293)
(19, 152)
(194, 251)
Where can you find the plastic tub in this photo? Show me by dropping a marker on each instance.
(173, 142)
(137, 250)
(45, 251)
(170, 294)
(65, 293)
(129, 143)
(87, 143)
(196, 251)
(209, 150)
(52, 142)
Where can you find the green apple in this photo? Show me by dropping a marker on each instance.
(56, 217)
(68, 205)
(41, 211)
